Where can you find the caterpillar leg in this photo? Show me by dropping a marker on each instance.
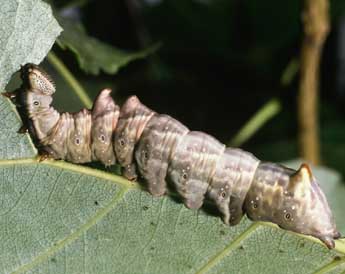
(158, 187)
(236, 210)
(195, 194)
(222, 185)
(44, 155)
(219, 192)
(328, 241)
(15, 97)
(23, 129)
(11, 95)
(130, 172)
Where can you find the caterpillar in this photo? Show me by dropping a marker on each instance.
(166, 154)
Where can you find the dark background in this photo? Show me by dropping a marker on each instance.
(220, 61)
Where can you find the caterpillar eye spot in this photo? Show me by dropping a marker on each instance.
(145, 154)
(223, 194)
(102, 137)
(36, 103)
(77, 141)
(255, 205)
(287, 216)
(184, 176)
(122, 142)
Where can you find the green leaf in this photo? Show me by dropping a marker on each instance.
(58, 217)
(27, 32)
(12, 144)
(94, 55)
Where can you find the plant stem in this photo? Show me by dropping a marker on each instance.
(316, 28)
(270, 109)
(71, 80)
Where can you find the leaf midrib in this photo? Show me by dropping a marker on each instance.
(76, 168)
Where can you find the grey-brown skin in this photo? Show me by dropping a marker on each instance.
(68, 136)
(79, 138)
(41, 114)
(55, 143)
(36, 95)
(105, 115)
(196, 164)
(157, 143)
(291, 199)
(133, 118)
(230, 183)
(192, 166)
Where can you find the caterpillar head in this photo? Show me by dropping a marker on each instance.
(294, 201)
(37, 79)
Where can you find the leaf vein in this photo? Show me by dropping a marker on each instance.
(74, 236)
(21, 195)
(330, 266)
(223, 253)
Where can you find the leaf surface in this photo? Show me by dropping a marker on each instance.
(27, 32)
